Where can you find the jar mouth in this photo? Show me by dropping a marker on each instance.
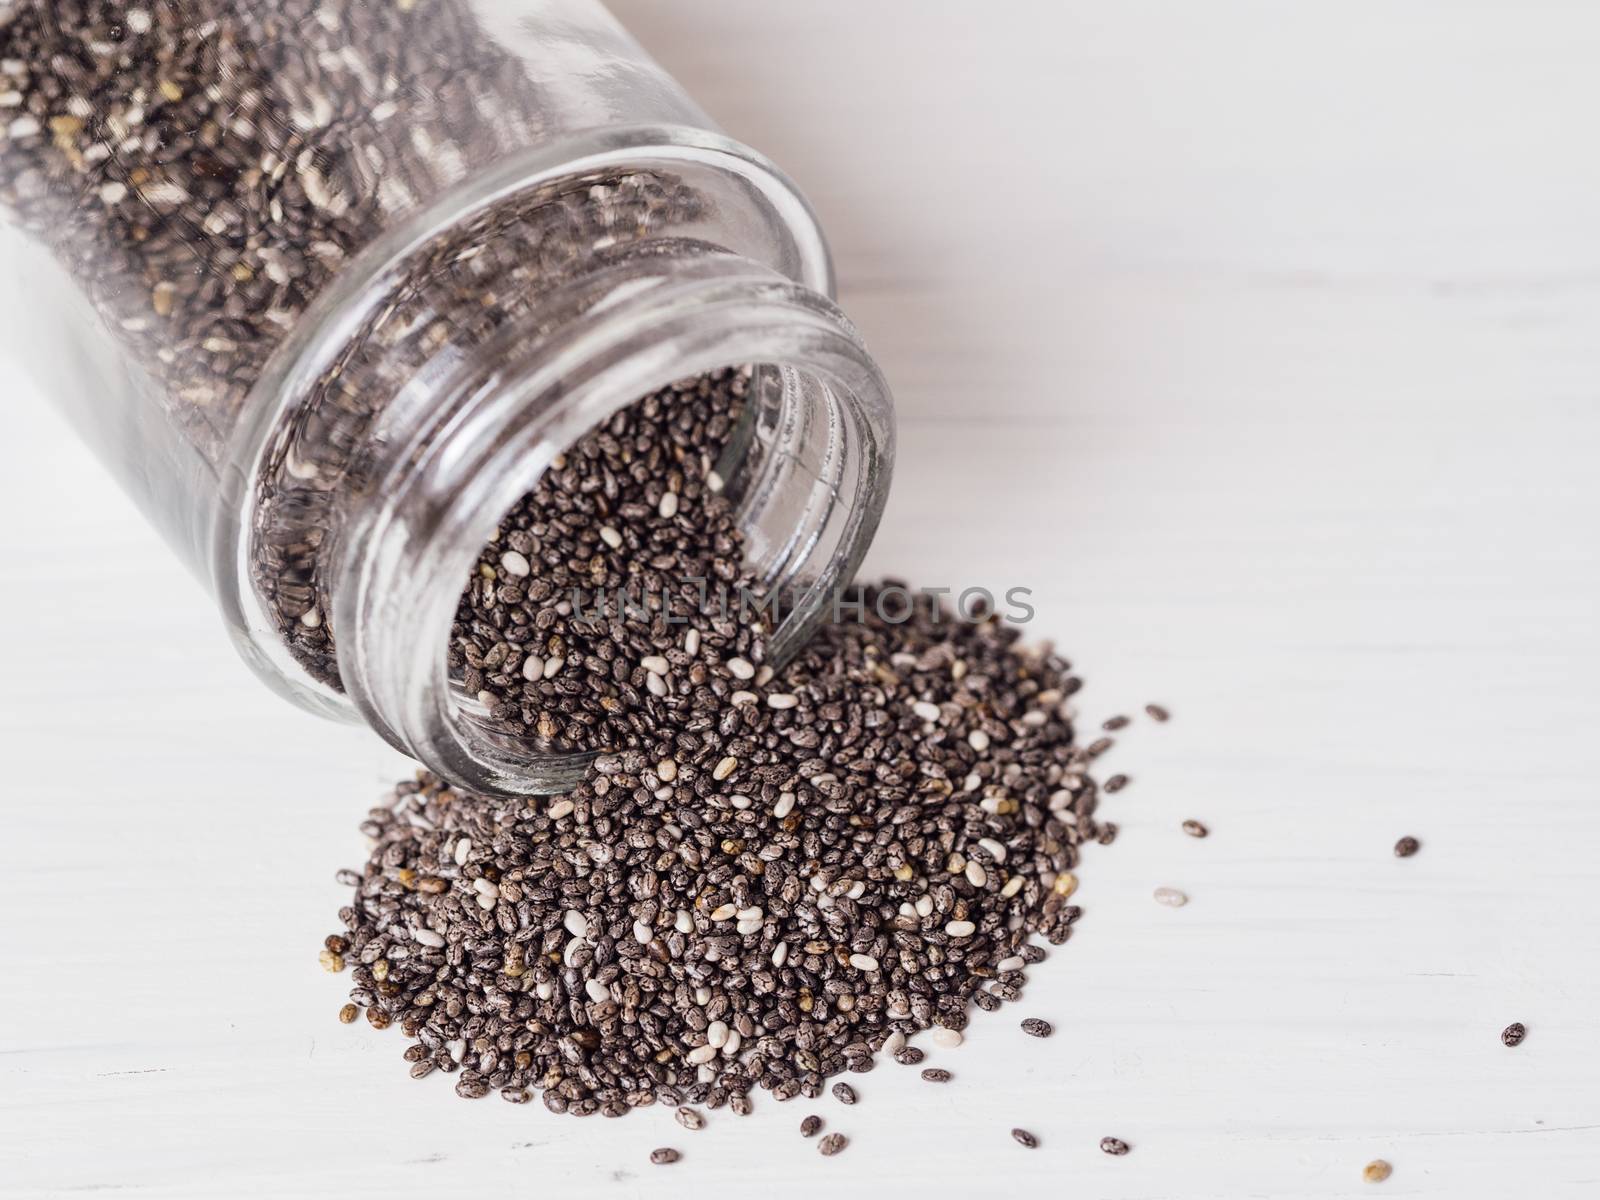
(808, 482)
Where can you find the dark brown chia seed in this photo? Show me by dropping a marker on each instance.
(1195, 829)
(936, 1075)
(1513, 1034)
(1113, 1145)
(663, 1156)
(1115, 784)
(1406, 847)
(690, 1119)
(832, 1144)
(811, 1126)
(1037, 1027)
(844, 1093)
(1156, 712)
(1112, 724)
(1024, 1138)
(910, 1056)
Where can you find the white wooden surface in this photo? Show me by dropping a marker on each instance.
(1263, 342)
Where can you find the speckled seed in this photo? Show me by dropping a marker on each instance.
(1113, 1145)
(832, 1144)
(810, 1126)
(1406, 847)
(1036, 1027)
(348, 1013)
(690, 1119)
(666, 1154)
(1376, 1171)
(1024, 1138)
(1513, 1033)
(1157, 713)
(1195, 829)
(844, 1093)
(947, 1037)
(936, 1075)
(1170, 896)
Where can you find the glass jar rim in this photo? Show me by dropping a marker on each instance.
(402, 554)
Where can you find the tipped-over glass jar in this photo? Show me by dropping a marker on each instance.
(329, 287)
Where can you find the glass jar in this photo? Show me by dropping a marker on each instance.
(329, 286)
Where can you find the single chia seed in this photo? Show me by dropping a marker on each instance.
(1023, 1138)
(1035, 1027)
(810, 1126)
(1406, 847)
(832, 1143)
(1513, 1033)
(1114, 1146)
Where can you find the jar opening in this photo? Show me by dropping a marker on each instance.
(806, 473)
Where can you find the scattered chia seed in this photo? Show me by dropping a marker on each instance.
(936, 1075)
(810, 1126)
(909, 1057)
(1406, 847)
(1171, 897)
(1115, 784)
(1023, 1138)
(1195, 829)
(832, 1144)
(663, 1156)
(1036, 1027)
(844, 1093)
(690, 1119)
(1156, 712)
(1112, 724)
(1513, 1033)
(1376, 1171)
(1114, 1146)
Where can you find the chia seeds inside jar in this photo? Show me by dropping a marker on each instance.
(330, 289)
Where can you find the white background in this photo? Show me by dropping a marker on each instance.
(1262, 341)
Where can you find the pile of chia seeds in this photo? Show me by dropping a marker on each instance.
(771, 873)
(762, 894)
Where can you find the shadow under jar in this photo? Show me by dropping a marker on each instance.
(329, 287)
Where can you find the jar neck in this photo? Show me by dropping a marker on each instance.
(476, 432)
